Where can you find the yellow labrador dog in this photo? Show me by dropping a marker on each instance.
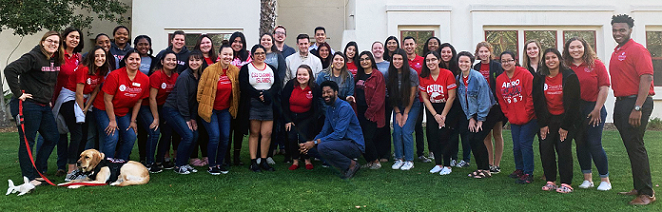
(101, 171)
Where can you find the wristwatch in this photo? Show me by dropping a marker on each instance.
(315, 141)
(637, 108)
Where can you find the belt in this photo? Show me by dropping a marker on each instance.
(619, 98)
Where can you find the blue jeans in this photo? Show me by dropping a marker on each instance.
(177, 122)
(61, 151)
(219, 136)
(589, 142)
(166, 137)
(108, 143)
(145, 118)
(340, 153)
(523, 145)
(36, 118)
(403, 138)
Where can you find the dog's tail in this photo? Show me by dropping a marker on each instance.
(11, 188)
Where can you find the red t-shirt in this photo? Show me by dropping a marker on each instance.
(437, 90)
(591, 79)
(485, 71)
(514, 96)
(163, 83)
(67, 71)
(223, 92)
(125, 92)
(417, 63)
(627, 64)
(554, 94)
(208, 60)
(351, 67)
(82, 76)
(301, 100)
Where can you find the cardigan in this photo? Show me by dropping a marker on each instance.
(207, 90)
(248, 92)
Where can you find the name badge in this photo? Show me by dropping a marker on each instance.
(135, 84)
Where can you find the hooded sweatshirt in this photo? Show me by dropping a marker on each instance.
(38, 75)
(182, 58)
(514, 96)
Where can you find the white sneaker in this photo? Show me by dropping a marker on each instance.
(462, 164)
(604, 186)
(453, 163)
(587, 184)
(407, 166)
(397, 164)
(445, 171)
(271, 161)
(435, 169)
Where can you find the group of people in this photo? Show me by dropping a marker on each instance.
(318, 103)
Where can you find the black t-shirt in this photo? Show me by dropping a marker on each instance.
(360, 90)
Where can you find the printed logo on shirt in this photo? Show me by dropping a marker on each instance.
(132, 91)
(163, 85)
(436, 93)
(224, 80)
(262, 77)
(418, 66)
(309, 95)
(512, 91)
(181, 63)
(588, 70)
(360, 84)
(553, 90)
(51, 68)
(89, 81)
(622, 56)
(122, 88)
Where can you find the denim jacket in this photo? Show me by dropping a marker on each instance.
(479, 98)
(345, 89)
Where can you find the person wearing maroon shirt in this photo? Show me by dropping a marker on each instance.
(416, 62)
(556, 98)
(350, 52)
(490, 69)
(123, 91)
(594, 83)
(514, 95)
(631, 71)
(301, 104)
(438, 88)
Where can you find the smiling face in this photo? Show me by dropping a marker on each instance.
(323, 52)
(464, 63)
(143, 46)
(397, 61)
(320, 36)
(621, 32)
(378, 50)
(178, 41)
(484, 54)
(302, 76)
(72, 39)
(104, 42)
(532, 50)
(433, 45)
(169, 62)
(205, 45)
(576, 49)
(226, 56)
(391, 45)
(99, 57)
(329, 95)
(133, 62)
(266, 41)
(303, 45)
(121, 36)
(409, 46)
(237, 44)
(507, 62)
(194, 63)
(279, 35)
(551, 60)
(446, 54)
(51, 44)
(338, 62)
(350, 52)
(432, 62)
(365, 61)
(259, 55)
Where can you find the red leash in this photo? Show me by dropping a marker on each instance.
(27, 144)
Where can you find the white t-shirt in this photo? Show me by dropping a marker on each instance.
(260, 79)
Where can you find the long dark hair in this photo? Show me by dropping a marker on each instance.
(325, 61)
(387, 54)
(241, 54)
(399, 96)
(81, 42)
(425, 46)
(196, 54)
(212, 52)
(452, 64)
(273, 42)
(149, 40)
(356, 50)
(425, 72)
(545, 70)
(360, 72)
(159, 65)
(89, 62)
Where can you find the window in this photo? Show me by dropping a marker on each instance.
(588, 35)
(654, 46)
(420, 35)
(502, 40)
(546, 38)
(192, 38)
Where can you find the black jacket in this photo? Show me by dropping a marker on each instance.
(571, 101)
(248, 92)
(182, 58)
(38, 75)
(184, 94)
(285, 99)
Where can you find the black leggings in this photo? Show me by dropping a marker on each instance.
(301, 132)
(369, 129)
(439, 138)
(476, 138)
(382, 138)
(552, 146)
(75, 129)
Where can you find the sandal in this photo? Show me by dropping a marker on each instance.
(480, 174)
(551, 186)
(565, 188)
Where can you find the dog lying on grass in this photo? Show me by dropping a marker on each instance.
(25, 188)
(100, 171)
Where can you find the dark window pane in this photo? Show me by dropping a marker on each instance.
(502, 41)
(588, 35)
(546, 38)
(420, 36)
(216, 39)
(654, 46)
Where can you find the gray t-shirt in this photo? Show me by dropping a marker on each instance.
(413, 78)
(272, 59)
(145, 63)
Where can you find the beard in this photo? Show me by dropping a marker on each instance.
(332, 99)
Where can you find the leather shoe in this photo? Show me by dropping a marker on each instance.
(352, 170)
(632, 192)
(643, 200)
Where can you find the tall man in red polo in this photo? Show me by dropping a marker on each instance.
(631, 70)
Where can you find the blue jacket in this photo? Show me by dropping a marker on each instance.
(341, 125)
(479, 98)
(345, 89)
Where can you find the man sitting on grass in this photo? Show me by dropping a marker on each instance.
(341, 138)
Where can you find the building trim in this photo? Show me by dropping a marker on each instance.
(547, 8)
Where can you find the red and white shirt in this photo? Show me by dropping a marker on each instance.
(437, 90)
(82, 76)
(485, 71)
(125, 92)
(223, 92)
(301, 100)
(553, 90)
(163, 83)
(627, 64)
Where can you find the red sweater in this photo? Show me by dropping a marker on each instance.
(514, 96)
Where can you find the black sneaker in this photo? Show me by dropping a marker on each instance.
(495, 170)
(265, 165)
(351, 171)
(168, 165)
(516, 174)
(214, 171)
(153, 168)
(525, 179)
(254, 166)
(223, 169)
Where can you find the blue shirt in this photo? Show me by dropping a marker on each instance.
(145, 64)
(341, 125)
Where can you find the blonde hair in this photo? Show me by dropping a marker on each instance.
(60, 51)
(486, 45)
(526, 61)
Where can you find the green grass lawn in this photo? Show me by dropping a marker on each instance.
(322, 190)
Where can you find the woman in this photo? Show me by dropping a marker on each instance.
(383, 137)
(241, 55)
(594, 84)
(556, 101)
(532, 57)
(338, 73)
(392, 44)
(275, 59)
(490, 69)
(218, 98)
(350, 51)
(432, 44)
(402, 83)
(437, 89)
(301, 105)
(147, 62)
(180, 110)
(37, 70)
(206, 46)
(368, 104)
(260, 85)
(477, 103)
(514, 96)
(121, 42)
(449, 61)
(104, 41)
(123, 91)
(324, 53)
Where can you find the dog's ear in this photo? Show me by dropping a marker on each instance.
(100, 156)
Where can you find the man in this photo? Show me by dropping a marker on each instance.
(177, 43)
(280, 33)
(631, 71)
(416, 63)
(320, 38)
(341, 138)
(302, 57)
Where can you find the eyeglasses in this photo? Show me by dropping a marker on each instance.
(259, 53)
(507, 61)
(51, 41)
(279, 33)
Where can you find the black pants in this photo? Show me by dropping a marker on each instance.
(75, 129)
(382, 138)
(550, 147)
(418, 129)
(369, 129)
(461, 133)
(476, 139)
(439, 138)
(237, 139)
(301, 132)
(633, 139)
(202, 142)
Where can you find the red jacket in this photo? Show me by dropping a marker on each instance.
(375, 93)
(514, 96)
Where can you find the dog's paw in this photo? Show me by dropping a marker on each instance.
(74, 186)
(114, 183)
